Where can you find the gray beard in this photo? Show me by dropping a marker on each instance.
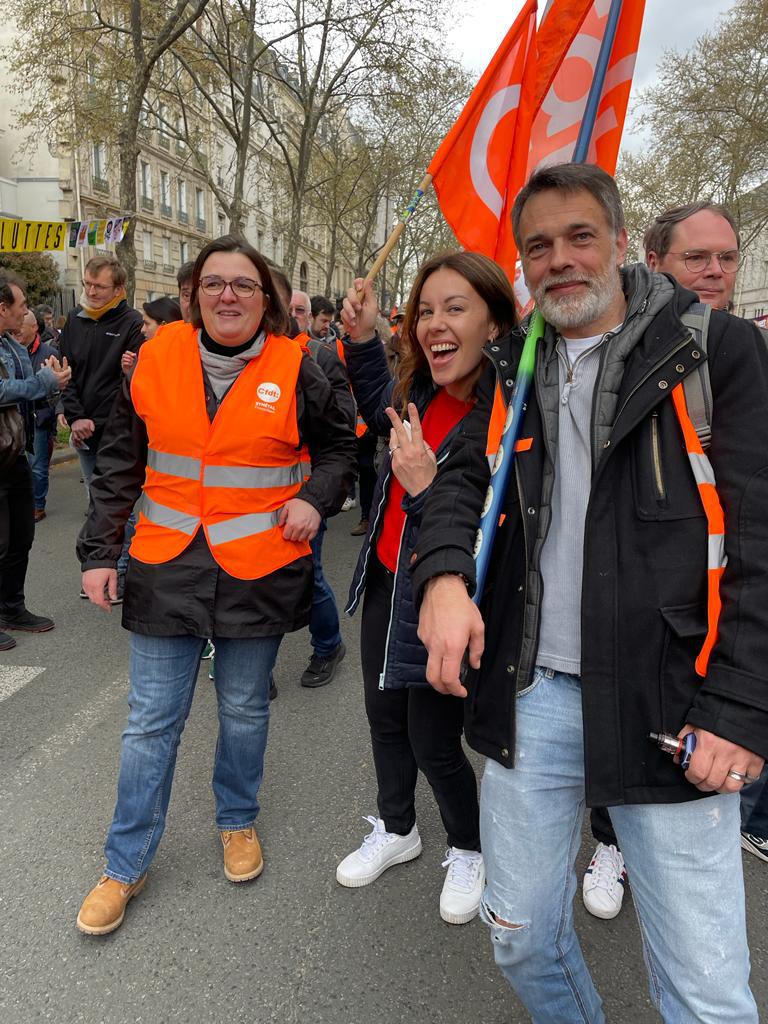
(575, 312)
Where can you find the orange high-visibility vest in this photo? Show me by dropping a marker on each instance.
(230, 476)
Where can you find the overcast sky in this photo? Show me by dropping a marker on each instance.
(667, 23)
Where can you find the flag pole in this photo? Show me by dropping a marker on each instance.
(581, 150)
(398, 229)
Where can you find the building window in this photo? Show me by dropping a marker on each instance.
(275, 244)
(183, 212)
(222, 224)
(200, 209)
(146, 180)
(99, 161)
(184, 251)
(260, 241)
(165, 193)
(303, 278)
(148, 247)
(166, 250)
(219, 164)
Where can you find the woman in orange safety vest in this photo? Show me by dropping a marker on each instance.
(217, 430)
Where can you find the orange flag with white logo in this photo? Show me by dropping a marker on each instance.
(481, 164)
(561, 106)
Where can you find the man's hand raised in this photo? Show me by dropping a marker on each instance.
(449, 626)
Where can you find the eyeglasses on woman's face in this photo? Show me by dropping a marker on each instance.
(242, 287)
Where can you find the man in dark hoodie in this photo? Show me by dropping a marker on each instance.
(96, 334)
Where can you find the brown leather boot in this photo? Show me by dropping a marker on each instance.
(242, 855)
(103, 908)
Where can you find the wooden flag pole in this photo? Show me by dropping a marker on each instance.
(398, 229)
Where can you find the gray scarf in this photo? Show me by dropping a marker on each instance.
(223, 371)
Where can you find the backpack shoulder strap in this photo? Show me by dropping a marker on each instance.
(697, 386)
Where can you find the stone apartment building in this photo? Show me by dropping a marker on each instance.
(176, 209)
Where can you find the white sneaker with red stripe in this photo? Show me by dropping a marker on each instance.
(604, 882)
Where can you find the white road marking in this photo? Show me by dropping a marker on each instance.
(74, 732)
(13, 677)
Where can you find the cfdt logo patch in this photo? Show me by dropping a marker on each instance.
(267, 394)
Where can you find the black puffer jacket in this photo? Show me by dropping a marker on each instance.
(645, 583)
(405, 659)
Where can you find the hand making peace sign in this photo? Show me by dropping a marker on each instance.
(413, 461)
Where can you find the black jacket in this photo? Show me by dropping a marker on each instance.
(405, 659)
(44, 409)
(644, 583)
(94, 348)
(191, 594)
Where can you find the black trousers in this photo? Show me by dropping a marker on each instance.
(411, 729)
(366, 452)
(17, 531)
(602, 827)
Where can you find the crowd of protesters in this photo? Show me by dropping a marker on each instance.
(196, 489)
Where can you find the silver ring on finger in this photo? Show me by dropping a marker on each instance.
(739, 776)
(393, 450)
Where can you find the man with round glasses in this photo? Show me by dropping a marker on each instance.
(698, 245)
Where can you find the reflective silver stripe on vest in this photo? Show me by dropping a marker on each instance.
(716, 558)
(161, 515)
(174, 465)
(255, 476)
(702, 469)
(242, 526)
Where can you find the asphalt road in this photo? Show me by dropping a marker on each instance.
(291, 947)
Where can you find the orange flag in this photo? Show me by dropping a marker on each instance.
(481, 164)
(562, 101)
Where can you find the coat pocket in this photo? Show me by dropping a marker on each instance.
(662, 480)
(685, 629)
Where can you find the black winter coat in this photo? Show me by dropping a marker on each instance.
(191, 594)
(644, 600)
(94, 348)
(405, 657)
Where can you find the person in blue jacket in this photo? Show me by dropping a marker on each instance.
(458, 304)
(19, 389)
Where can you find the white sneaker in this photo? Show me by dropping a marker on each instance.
(348, 504)
(463, 885)
(604, 882)
(380, 850)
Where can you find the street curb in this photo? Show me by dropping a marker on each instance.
(63, 455)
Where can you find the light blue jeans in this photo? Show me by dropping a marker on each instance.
(683, 861)
(163, 672)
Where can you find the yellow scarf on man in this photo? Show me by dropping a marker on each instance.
(97, 312)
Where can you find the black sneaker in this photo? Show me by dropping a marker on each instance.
(320, 671)
(6, 642)
(756, 845)
(83, 594)
(26, 622)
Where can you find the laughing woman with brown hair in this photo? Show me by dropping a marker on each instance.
(459, 303)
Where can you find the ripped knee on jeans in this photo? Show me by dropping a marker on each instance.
(494, 919)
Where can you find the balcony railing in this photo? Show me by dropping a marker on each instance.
(147, 204)
(165, 210)
(163, 140)
(183, 217)
(181, 147)
(100, 185)
(200, 223)
(168, 268)
(150, 265)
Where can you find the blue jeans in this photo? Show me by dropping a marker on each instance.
(324, 617)
(683, 861)
(754, 807)
(88, 465)
(40, 463)
(163, 672)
